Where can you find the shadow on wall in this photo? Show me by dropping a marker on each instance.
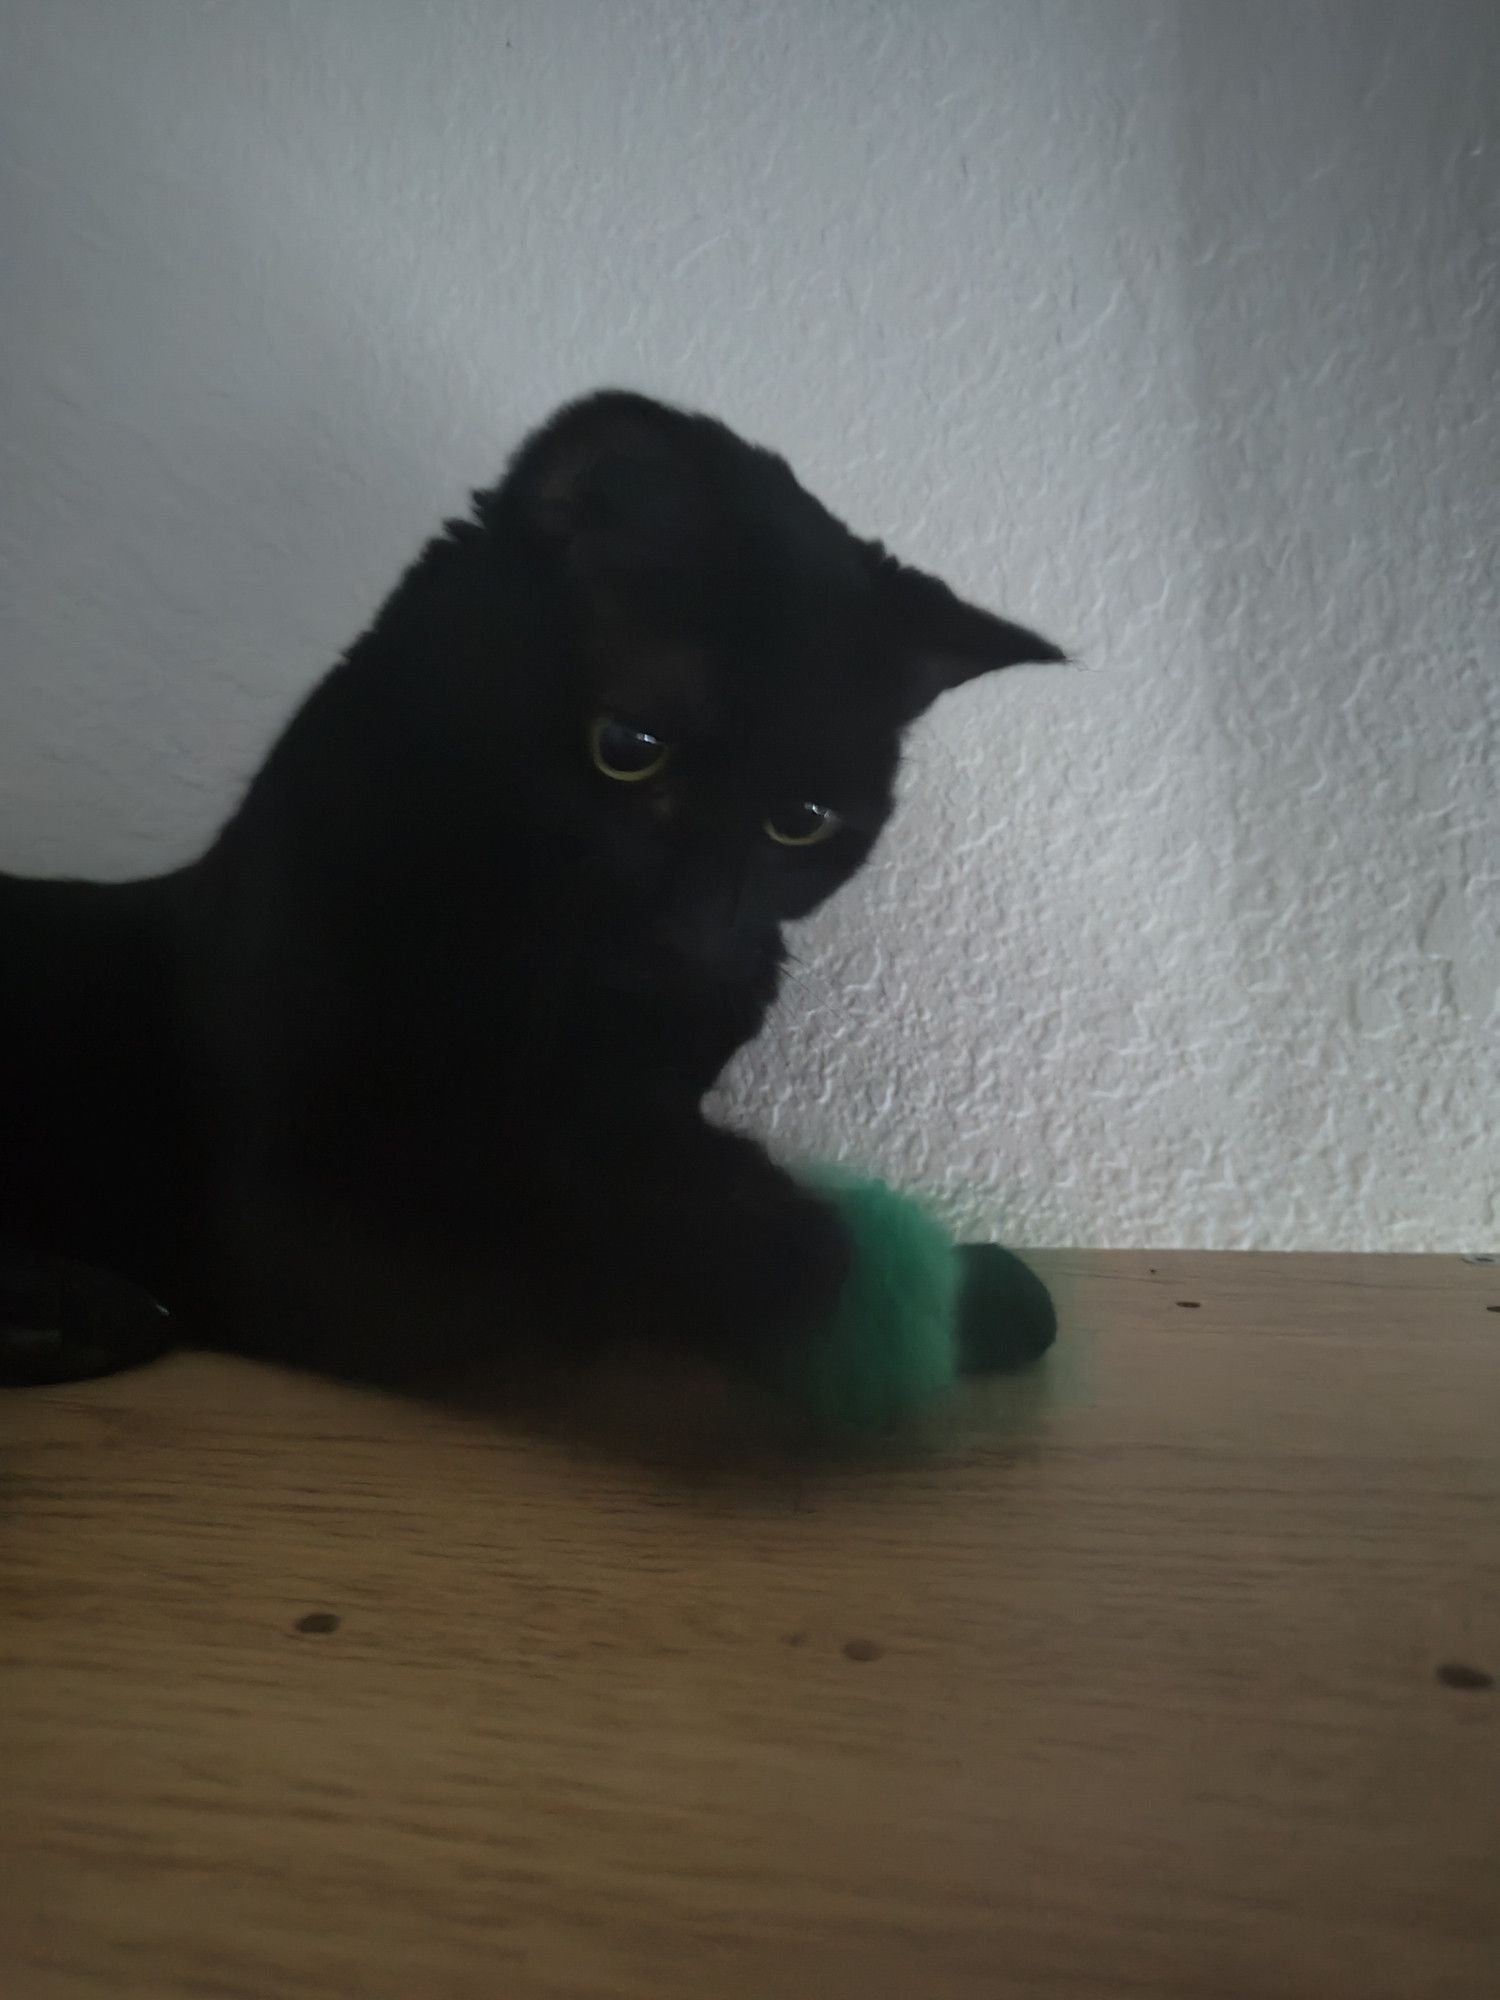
(196, 573)
(1340, 214)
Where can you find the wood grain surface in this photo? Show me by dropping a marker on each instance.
(1164, 1678)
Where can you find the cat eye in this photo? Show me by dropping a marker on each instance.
(802, 825)
(622, 751)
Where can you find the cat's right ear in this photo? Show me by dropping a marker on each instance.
(610, 482)
(946, 639)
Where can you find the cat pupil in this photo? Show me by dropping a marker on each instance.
(802, 824)
(622, 750)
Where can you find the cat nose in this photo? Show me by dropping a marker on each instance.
(702, 915)
(709, 937)
(699, 940)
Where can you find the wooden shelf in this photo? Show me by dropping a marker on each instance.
(1141, 1682)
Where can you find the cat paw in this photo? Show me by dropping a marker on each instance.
(70, 1324)
(1006, 1318)
(783, 1276)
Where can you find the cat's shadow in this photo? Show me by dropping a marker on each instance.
(697, 1429)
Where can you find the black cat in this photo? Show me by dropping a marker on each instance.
(414, 1054)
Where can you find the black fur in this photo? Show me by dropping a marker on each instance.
(412, 1057)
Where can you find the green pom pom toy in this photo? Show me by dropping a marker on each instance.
(917, 1311)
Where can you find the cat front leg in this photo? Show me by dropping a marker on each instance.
(657, 1228)
(681, 1231)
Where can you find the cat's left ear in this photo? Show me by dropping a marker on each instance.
(946, 639)
(613, 480)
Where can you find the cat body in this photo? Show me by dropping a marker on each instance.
(415, 1053)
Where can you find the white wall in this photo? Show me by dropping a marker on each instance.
(1169, 324)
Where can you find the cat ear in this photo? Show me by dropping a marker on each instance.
(612, 479)
(948, 640)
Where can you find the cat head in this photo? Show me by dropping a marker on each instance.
(728, 672)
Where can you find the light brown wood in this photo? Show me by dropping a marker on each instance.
(1136, 1693)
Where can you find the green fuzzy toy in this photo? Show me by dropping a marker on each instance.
(917, 1311)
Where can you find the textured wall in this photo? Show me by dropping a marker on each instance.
(1170, 326)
